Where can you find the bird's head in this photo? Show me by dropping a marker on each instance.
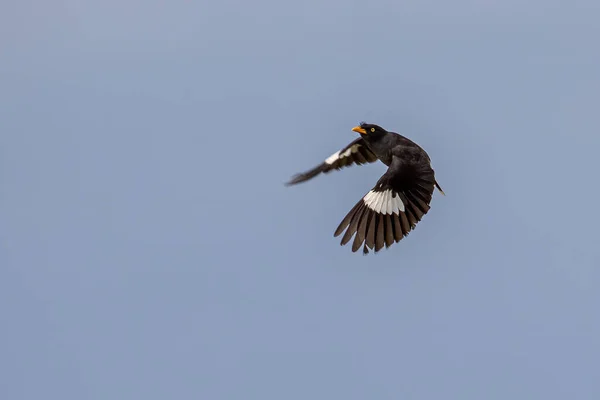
(369, 131)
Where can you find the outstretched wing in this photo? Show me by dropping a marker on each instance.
(356, 152)
(392, 208)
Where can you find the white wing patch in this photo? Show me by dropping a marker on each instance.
(336, 156)
(384, 202)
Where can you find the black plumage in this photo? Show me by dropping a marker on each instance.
(399, 199)
(358, 153)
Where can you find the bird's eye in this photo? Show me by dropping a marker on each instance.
(372, 129)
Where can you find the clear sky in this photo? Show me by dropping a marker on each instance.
(149, 249)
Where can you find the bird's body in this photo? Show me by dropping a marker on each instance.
(394, 144)
(401, 197)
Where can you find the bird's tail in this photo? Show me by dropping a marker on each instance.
(437, 185)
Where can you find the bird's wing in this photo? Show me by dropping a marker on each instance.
(392, 208)
(356, 152)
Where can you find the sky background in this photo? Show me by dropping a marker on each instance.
(149, 249)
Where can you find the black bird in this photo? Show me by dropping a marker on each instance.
(398, 201)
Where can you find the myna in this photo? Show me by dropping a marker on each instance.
(397, 202)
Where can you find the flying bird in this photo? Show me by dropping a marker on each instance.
(399, 199)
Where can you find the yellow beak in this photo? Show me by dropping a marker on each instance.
(359, 130)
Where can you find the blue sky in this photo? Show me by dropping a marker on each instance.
(149, 249)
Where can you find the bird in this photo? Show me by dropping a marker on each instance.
(400, 198)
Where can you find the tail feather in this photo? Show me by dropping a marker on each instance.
(437, 185)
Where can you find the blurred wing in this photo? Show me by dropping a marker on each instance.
(356, 152)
